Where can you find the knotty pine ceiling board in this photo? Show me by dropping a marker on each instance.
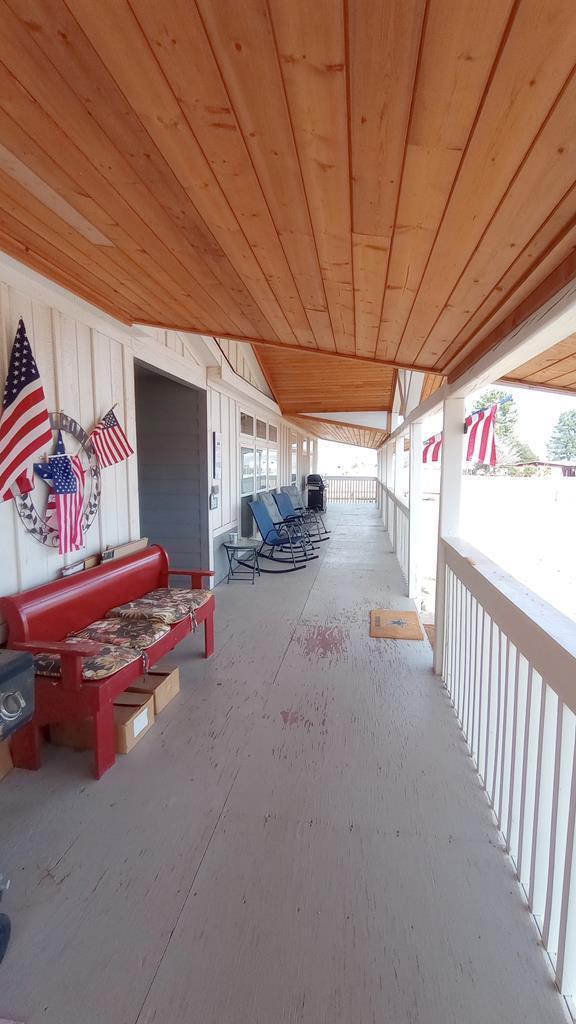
(344, 433)
(386, 181)
(555, 368)
(315, 382)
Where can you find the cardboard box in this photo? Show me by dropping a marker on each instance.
(5, 759)
(163, 686)
(133, 717)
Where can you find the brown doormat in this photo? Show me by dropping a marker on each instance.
(390, 625)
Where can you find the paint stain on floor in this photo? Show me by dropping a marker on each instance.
(322, 641)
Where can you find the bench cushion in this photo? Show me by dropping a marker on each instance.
(166, 604)
(137, 635)
(107, 662)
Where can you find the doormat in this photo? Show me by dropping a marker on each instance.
(391, 625)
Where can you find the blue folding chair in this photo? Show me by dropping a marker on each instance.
(286, 538)
(289, 513)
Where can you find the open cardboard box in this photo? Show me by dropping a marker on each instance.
(162, 685)
(133, 717)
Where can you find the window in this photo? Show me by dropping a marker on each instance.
(261, 468)
(294, 461)
(272, 468)
(247, 470)
(246, 424)
(272, 433)
(305, 446)
(261, 429)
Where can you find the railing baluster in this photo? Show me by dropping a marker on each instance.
(488, 729)
(565, 980)
(552, 851)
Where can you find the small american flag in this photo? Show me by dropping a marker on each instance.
(481, 430)
(68, 485)
(110, 441)
(25, 422)
(432, 448)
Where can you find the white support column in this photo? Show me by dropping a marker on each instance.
(449, 511)
(389, 454)
(415, 506)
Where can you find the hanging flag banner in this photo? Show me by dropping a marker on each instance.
(25, 422)
(481, 430)
(480, 426)
(110, 442)
(432, 448)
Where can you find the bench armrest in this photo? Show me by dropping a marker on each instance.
(70, 654)
(196, 576)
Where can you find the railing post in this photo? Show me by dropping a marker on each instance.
(414, 510)
(449, 510)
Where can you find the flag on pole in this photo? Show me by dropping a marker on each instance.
(481, 430)
(25, 422)
(432, 448)
(110, 442)
(68, 485)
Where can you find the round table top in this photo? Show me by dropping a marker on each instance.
(243, 542)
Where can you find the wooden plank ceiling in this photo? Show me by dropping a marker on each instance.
(345, 433)
(555, 368)
(309, 382)
(382, 180)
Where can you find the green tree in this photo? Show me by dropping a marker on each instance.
(562, 443)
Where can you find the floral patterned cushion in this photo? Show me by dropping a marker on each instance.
(163, 605)
(109, 660)
(138, 636)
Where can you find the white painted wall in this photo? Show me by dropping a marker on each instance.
(86, 361)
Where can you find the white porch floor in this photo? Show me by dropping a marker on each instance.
(301, 839)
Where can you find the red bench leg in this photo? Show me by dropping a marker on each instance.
(26, 747)
(104, 745)
(209, 635)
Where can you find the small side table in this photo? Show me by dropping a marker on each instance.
(243, 559)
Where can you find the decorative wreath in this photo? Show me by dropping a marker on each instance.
(34, 520)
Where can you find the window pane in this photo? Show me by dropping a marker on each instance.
(246, 424)
(261, 467)
(261, 429)
(294, 460)
(272, 468)
(272, 432)
(247, 470)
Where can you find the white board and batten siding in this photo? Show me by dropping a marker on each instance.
(86, 361)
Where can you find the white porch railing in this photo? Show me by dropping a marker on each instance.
(397, 521)
(351, 488)
(510, 668)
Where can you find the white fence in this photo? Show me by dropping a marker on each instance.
(398, 526)
(510, 668)
(351, 488)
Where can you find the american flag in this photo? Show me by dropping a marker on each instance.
(480, 427)
(432, 448)
(110, 441)
(25, 423)
(481, 430)
(68, 484)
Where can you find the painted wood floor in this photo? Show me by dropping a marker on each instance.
(301, 839)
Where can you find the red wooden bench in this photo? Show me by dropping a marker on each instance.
(41, 621)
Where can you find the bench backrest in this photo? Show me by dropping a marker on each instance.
(55, 609)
